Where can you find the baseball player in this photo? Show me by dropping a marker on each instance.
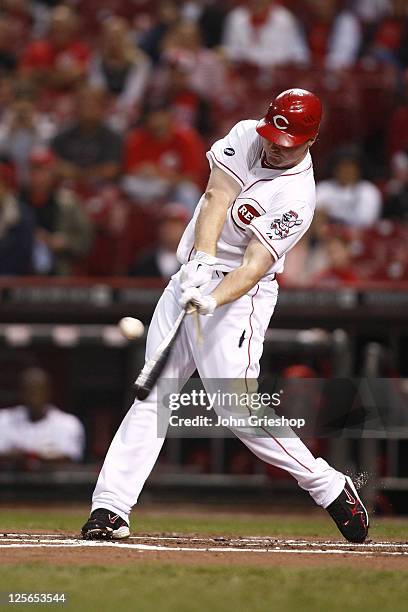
(258, 203)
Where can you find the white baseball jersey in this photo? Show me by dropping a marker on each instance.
(357, 205)
(276, 206)
(58, 433)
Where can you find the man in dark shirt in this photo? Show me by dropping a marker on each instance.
(16, 229)
(63, 232)
(161, 261)
(396, 190)
(88, 151)
(8, 59)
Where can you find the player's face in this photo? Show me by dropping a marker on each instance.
(284, 157)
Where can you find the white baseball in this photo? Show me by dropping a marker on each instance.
(131, 328)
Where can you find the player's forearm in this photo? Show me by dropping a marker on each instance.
(236, 284)
(210, 221)
(256, 263)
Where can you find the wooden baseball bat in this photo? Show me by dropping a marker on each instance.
(152, 369)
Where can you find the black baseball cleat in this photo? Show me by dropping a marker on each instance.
(105, 525)
(349, 514)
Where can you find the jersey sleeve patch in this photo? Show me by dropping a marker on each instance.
(244, 211)
(282, 226)
(280, 231)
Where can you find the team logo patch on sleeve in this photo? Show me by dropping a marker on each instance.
(281, 226)
(244, 211)
(229, 151)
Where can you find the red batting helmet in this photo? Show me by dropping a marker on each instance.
(292, 119)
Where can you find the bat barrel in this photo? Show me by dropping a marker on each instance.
(150, 374)
(154, 367)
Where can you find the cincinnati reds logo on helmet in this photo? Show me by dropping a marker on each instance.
(277, 122)
(282, 225)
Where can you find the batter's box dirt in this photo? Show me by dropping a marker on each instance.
(177, 543)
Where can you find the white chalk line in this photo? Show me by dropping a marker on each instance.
(43, 538)
(216, 549)
(66, 543)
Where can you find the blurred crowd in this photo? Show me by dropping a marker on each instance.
(107, 108)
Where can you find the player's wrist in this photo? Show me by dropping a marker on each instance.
(205, 304)
(211, 304)
(205, 258)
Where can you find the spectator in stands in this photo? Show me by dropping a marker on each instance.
(264, 33)
(212, 20)
(397, 124)
(334, 37)
(8, 58)
(37, 429)
(63, 233)
(162, 260)
(16, 228)
(121, 69)
(167, 16)
(208, 76)
(94, 11)
(210, 16)
(122, 231)
(396, 190)
(164, 160)
(308, 258)
(59, 61)
(339, 268)
(347, 197)
(21, 21)
(188, 107)
(89, 151)
(22, 127)
(371, 11)
(389, 42)
(6, 95)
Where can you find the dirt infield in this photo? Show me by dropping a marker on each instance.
(66, 548)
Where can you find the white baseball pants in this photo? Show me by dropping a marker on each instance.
(136, 445)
